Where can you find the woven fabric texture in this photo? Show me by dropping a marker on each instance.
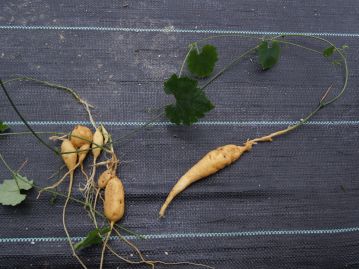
(292, 203)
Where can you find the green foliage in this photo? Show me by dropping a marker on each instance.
(53, 199)
(3, 127)
(268, 54)
(10, 190)
(328, 51)
(201, 63)
(92, 238)
(337, 62)
(191, 102)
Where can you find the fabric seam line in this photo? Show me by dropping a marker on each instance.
(204, 123)
(193, 235)
(168, 30)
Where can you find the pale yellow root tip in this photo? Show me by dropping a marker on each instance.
(164, 206)
(173, 193)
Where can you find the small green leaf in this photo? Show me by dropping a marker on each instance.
(268, 54)
(3, 127)
(23, 182)
(202, 64)
(328, 51)
(92, 238)
(10, 190)
(191, 102)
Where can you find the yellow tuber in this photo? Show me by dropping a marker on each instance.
(104, 179)
(97, 143)
(211, 163)
(114, 204)
(81, 135)
(114, 207)
(70, 159)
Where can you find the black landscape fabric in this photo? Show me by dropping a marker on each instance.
(293, 203)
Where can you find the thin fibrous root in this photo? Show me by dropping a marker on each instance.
(84, 172)
(133, 246)
(151, 262)
(53, 186)
(55, 137)
(125, 259)
(94, 207)
(56, 173)
(105, 244)
(90, 184)
(184, 263)
(105, 162)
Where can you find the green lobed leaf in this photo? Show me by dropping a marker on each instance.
(202, 64)
(328, 51)
(3, 127)
(94, 237)
(10, 190)
(268, 53)
(191, 102)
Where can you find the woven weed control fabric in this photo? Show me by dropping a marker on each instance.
(292, 203)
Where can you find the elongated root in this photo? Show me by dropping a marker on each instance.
(211, 163)
(64, 221)
(216, 160)
(150, 262)
(84, 172)
(184, 263)
(125, 259)
(105, 244)
(135, 248)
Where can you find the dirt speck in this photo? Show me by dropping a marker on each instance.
(62, 37)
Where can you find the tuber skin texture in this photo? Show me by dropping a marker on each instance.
(80, 136)
(104, 178)
(114, 204)
(98, 141)
(83, 152)
(211, 163)
(69, 159)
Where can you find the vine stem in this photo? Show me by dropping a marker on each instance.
(270, 137)
(153, 120)
(6, 165)
(26, 133)
(24, 121)
(78, 98)
(185, 60)
(322, 102)
(229, 66)
(52, 85)
(277, 38)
